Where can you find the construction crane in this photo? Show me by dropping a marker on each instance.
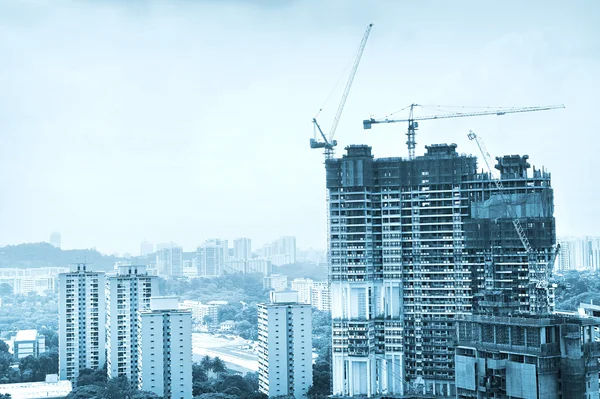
(413, 125)
(328, 142)
(540, 277)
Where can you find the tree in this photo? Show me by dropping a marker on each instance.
(6, 290)
(215, 396)
(3, 347)
(206, 363)
(87, 392)
(91, 377)
(218, 365)
(208, 320)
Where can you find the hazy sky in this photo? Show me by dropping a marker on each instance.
(185, 120)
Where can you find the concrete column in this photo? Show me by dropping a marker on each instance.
(369, 377)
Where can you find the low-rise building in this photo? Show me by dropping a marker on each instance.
(28, 343)
(276, 282)
(200, 311)
(227, 325)
(320, 296)
(52, 388)
(304, 288)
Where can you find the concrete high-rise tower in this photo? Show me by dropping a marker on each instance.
(211, 257)
(81, 319)
(165, 349)
(412, 245)
(285, 345)
(127, 293)
(242, 249)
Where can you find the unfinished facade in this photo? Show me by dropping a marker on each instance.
(412, 243)
(530, 357)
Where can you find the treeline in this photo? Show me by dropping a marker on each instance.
(243, 292)
(29, 369)
(27, 312)
(577, 287)
(43, 254)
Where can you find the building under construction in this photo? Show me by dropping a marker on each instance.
(530, 356)
(413, 246)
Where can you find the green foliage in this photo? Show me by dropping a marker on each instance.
(115, 388)
(234, 288)
(577, 287)
(302, 270)
(44, 254)
(29, 312)
(211, 379)
(3, 347)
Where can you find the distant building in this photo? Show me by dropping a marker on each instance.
(534, 356)
(285, 346)
(164, 360)
(275, 282)
(81, 318)
(262, 266)
(304, 288)
(321, 298)
(127, 292)
(146, 248)
(38, 280)
(200, 311)
(28, 343)
(55, 239)
(578, 253)
(189, 269)
(52, 388)
(169, 261)
(281, 251)
(211, 257)
(227, 325)
(242, 249)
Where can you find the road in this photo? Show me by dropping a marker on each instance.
(227, 349)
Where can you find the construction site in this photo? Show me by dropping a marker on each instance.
(440, 272)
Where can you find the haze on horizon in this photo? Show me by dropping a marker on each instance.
(181, 121)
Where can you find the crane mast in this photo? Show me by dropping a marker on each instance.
(413, 123)
(328, 142)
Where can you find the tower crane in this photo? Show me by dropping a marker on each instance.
(413, 123)
(540, 273)
(328, 142)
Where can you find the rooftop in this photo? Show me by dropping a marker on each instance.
(26, 335)
(37, 390)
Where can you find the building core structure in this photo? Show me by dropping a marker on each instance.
(413, 244)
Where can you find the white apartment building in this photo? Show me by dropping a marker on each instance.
(211, 257)
(578, 253)
(127, 292)
(200, 310)
(81, 317)
(281, 251)
(28, 343)
(169, 261)
(275, 282)
(261, 265)
(164, 360)
(304, 288)
(38, 280)
(242, 249)
(320, 296)
(285, 346)
(146, 248)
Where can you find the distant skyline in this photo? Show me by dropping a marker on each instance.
(181, 121)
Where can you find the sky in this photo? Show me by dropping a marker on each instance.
(186, 120)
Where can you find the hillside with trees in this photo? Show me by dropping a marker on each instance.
(44, 254)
